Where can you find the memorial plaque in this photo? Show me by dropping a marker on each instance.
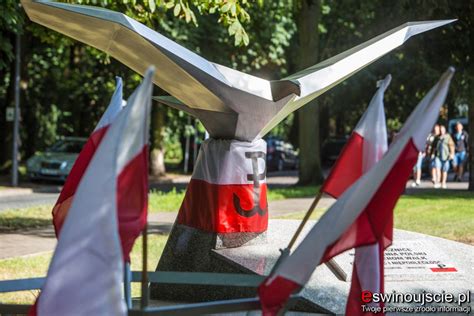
(409, 259)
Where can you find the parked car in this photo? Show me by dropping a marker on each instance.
(57, 161)
(331, 149)
(281, 155)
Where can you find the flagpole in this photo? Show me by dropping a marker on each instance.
(305, 220)
(331, 264)
(286, 252)
(145, 293)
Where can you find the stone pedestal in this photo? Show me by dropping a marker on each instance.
(225, 207)
(414, 263)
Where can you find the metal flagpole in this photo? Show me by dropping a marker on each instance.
(331, 264)
(145, 291)
(305, 220)
(127, 288)
(286, 252)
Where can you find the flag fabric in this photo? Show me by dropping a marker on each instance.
(227, 191)
(365, 147)
(65, 198)
(86, 272)
(361, 214)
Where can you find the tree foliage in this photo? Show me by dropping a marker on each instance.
(66, 85)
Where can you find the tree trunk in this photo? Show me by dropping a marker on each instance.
(307, 15)
(157, 145)
(6, 128)
(324, 121)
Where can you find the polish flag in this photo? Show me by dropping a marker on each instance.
(64, 201)
(360, 216)
(86, 272)
(227, 191)
(365, 147)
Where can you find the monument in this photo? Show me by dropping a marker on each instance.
(225, 205)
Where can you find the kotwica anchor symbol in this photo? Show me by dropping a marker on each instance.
(255, 177)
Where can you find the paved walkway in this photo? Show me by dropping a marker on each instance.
(26, 243)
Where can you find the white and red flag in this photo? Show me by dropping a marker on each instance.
(64, 201)
(227, 192)
(361, 214)
(86, 272)
(365, 147)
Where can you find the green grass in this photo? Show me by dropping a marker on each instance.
(292, 192)
(440, 213)
(446, 214)
(171, 201)
(23, 267)
(37, 266)
(26, 218)
(165, 202)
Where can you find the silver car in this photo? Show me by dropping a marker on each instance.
(56, 162)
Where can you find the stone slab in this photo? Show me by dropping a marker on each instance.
(330, 293)
(193, 250)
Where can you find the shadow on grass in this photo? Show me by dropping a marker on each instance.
(435, 194)
(292, 192)
(160, 229)
(18, 224)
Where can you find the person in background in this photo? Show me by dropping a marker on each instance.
(431, 145)
(417, 170)
(460, 138)
(444, 153)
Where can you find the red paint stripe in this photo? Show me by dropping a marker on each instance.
(347, 169)
(376, 222)
(210, 207)
(74, 177)
(444, 269)
(132, 200)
